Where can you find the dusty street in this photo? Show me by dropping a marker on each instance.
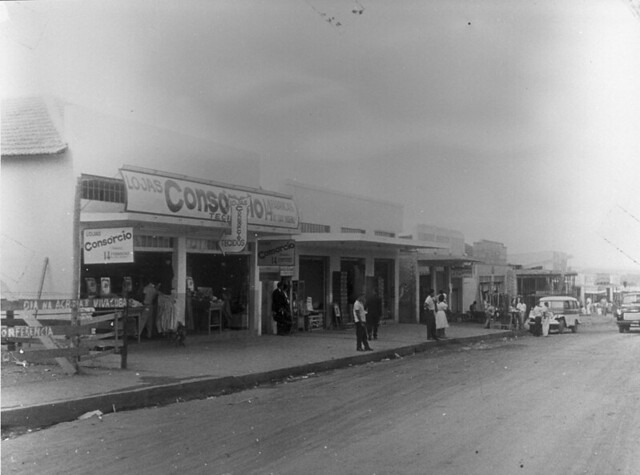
(556, 405)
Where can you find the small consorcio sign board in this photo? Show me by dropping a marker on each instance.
(107, 246)
(276, 253)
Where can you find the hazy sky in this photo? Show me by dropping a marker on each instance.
(516, 121)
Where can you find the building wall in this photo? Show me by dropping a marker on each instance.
(548, 260)
(37, 202)
(454, 240)
(337, 209)
(490, 252)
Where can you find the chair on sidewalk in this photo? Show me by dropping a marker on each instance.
(215, 317)
(315, 318)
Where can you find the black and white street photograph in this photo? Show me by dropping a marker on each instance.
(320, 237)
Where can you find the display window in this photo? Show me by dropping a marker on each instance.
(128, 279)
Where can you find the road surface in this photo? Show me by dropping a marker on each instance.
(564, 404)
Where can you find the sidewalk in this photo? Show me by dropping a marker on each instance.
(160, 373)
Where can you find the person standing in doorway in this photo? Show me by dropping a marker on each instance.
(360, 320)
(374, 312)
(281, 309)
(430, 309)
(147, 317)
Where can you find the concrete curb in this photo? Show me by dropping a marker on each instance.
(44, 415)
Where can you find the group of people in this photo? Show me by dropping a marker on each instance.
(436, 315)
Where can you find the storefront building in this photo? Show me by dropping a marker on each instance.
(445, 267)
(194, 238)
(185, 213)
(347, 245)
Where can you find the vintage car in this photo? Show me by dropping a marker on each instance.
(627, 313)
(566, 313)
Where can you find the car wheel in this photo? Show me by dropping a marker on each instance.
(561, 326)
(574, 328)
(621, 328)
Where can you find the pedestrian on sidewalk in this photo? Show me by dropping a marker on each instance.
(148, 315)
(521, 308)
(360, 320)
(540, 316)
(489, 312)
(547, 315)
(441, 316)
(281, 309)
(430, 309)
(374, 312)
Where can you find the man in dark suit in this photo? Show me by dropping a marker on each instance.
(281, 309)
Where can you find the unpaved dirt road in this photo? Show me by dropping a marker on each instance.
(565, 404)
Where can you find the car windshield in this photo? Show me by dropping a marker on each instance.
(630, 299)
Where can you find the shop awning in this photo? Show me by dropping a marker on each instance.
(444, 260)
(362, 241)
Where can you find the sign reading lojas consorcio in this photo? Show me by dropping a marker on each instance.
(107, 246)
(169, 196)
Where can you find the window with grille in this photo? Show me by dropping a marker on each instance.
(156, 242)
(384, 234)
(102, 189)
(314, 228)
(352, 231)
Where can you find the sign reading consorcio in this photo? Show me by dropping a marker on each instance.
(170, 196)
(107, 246)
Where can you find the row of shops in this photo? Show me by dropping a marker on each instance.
(198, 240)
(191, 216)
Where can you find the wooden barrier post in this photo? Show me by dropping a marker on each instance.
(11, 346)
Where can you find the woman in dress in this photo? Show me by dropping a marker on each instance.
(441, 316)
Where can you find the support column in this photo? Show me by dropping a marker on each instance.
(418, 293)
(180, 277)
(255, 293)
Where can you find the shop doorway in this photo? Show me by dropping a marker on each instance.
(221, 277)
(312, 271)
(354, 269)
(384, 279)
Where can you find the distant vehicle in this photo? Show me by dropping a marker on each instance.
(566, 311)
(628, 312)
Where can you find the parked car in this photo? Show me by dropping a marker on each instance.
(566, 313)
(628, 312)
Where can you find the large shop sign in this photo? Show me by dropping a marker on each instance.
(276, 253)
(160, 194)
(107, 246)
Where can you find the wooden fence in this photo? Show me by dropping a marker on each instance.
(69, 332)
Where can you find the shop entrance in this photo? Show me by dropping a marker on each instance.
(312, 271)
(354, 269)
(384, 278)
(224, 278)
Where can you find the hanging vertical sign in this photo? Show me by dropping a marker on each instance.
(237, 240)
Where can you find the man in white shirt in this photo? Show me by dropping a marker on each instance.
(430, 308)
(521, 307)
(360, 319)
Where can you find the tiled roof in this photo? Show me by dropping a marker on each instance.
(27, 128)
